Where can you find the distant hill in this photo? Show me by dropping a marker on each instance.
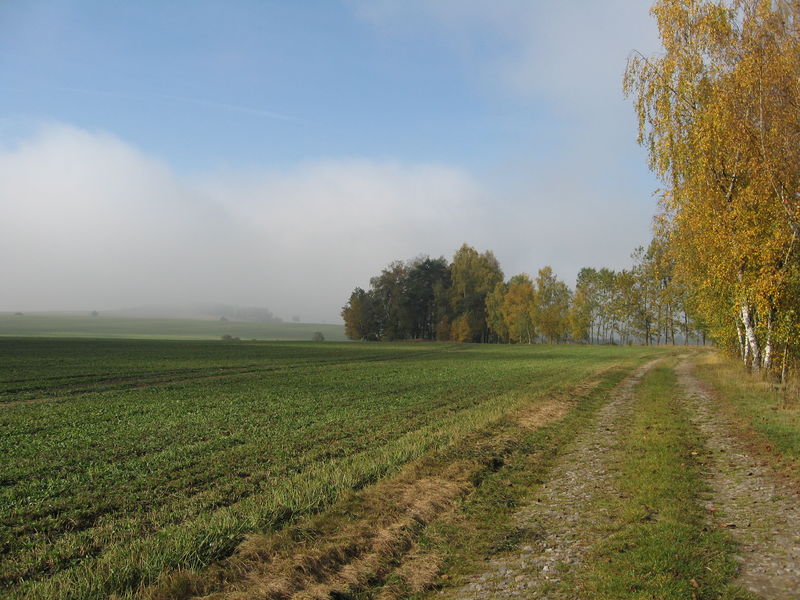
(230, 312)
(106, 325)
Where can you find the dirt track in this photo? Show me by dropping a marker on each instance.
(563, 518)
(762, 513)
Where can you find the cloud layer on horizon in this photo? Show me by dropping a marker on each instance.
(91, 222)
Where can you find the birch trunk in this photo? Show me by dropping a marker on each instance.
(742, 346)
(746, 358)
(783, 365)
(768, 344)
(685, 329)
(750, 333)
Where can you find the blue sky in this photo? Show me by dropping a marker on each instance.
(420, 124)
(204, 85)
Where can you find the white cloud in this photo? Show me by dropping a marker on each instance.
(571, 51)
(584, 193)
(324, 227)
(89, 222)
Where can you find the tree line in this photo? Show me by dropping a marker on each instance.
(718, 114)
(469, 300)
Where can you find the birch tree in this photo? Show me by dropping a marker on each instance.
(718, 113)
(518, 309)
(552, 302)
(473, 276)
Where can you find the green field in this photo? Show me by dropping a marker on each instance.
(104, 326)
(125, 459)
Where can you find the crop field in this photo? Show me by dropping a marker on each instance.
(107, 326)
(127, 459)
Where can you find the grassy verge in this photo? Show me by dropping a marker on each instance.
(661, 544)
(482, 525)
(766, 417)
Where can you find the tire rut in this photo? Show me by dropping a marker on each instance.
(562, 518)
(763, 513)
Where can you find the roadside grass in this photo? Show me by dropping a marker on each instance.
(766, 416)
(482, 524)
(661, 543)
(103, 492)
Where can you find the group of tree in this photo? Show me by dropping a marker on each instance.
(645, 304)
(426, 298)
(468, 300)
(523, 309)
(719, 113)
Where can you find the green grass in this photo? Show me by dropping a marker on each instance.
(104, 326)
(36, 367)
(765, 411)
(661, 544)
(150, 456)
(484, 523)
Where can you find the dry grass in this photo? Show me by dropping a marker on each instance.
(343, 556)
(416, 574)
(554, 409)
(372, 536)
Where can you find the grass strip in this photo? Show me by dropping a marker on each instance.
(661, 544)
(482, 526)
(768, 416)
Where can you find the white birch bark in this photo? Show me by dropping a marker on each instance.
(750, 334)
(742, 346)
(768, 352)
(768, 343)
(746, 358)
(783, 365)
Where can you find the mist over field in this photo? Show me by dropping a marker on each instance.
(100, 225)
(114, 197)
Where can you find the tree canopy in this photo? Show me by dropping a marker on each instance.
(467, 300)
(718, 114)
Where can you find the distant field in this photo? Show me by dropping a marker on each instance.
(104, 326)
(125, 459)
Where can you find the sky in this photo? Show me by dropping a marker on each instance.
(278, 153)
